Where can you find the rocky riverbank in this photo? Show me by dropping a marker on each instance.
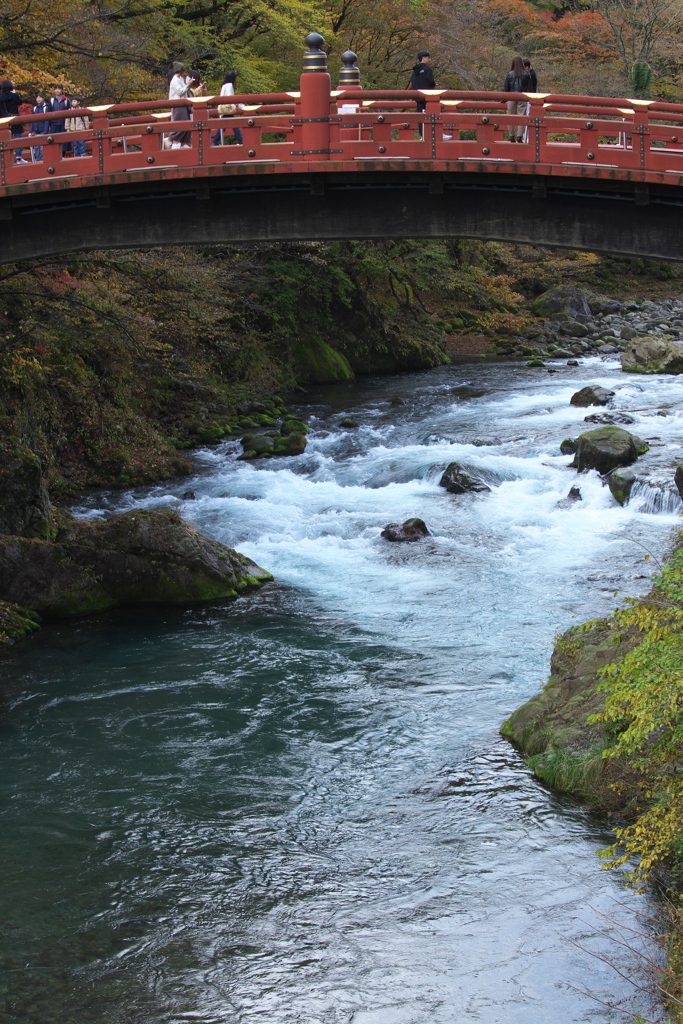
(607, 728)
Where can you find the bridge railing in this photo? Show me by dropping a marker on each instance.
(318, 126)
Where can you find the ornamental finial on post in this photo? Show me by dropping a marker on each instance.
(315, 58)
(349, 76)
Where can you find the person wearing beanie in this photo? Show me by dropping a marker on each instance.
(178, 90)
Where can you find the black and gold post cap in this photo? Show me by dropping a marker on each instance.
(315, 59)
(349, 74)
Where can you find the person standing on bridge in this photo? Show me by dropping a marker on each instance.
(534, 88)
(80, 123)
(517, 80)
(10, 101)
(40, 127)
(228, 110)
(58, 103)
(178, 90)
(422, 77)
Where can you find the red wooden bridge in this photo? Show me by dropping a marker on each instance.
(592, 172)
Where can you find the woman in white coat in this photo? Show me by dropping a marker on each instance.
(179, 90)
(228, 89)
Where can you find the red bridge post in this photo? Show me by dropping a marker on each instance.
(315, 89)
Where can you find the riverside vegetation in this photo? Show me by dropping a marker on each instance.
(608, 729)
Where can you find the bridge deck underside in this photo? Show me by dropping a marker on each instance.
(616, 211)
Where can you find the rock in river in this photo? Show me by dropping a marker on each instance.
(412, 529)
(653, 355)
(457, 481)
(591, 396)
(573, 496)
(678, 480)
(606, 448)
(620, 482)
(139, 557)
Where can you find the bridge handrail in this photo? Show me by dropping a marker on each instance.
(320, 126)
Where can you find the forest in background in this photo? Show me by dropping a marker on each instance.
(121, 50)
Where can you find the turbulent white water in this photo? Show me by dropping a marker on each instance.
(300, 800)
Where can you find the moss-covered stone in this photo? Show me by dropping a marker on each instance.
(16, 622)
(554, 730)
(140, 557)
(606, 448)
(292, 425)
(318, 362)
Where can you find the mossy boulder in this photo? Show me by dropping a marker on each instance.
(293, 444)
(292, 425)
(606, 448)
(24, 500)
(319, 363)
(554, 729)
(558, 302)
(620, 482)
(257, 444)
(653, 355)
(140, 557)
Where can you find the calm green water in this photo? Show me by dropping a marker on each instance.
(297, 808)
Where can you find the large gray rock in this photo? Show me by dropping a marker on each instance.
(457, 481)
(140, 557)
(653, 355)
(592, 395)
(24, 501)
(561, 302)
(606, 448)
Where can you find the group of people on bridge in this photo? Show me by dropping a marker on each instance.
(184, 84)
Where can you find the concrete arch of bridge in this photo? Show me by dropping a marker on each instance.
(616, 216)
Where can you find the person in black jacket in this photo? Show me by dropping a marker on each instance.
(422, 77)
(10, 101)
(39, 127)
(517, 81)
(534, 88)
(57, 104)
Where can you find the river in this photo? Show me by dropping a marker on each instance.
(297, 807)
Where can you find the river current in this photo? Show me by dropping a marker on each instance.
(297, 807)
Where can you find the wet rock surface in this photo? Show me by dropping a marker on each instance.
(456, 480)
(606, 448)
(139, 557)
(620, 482)
(410, 530)
(594, 395)
(571, 499)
